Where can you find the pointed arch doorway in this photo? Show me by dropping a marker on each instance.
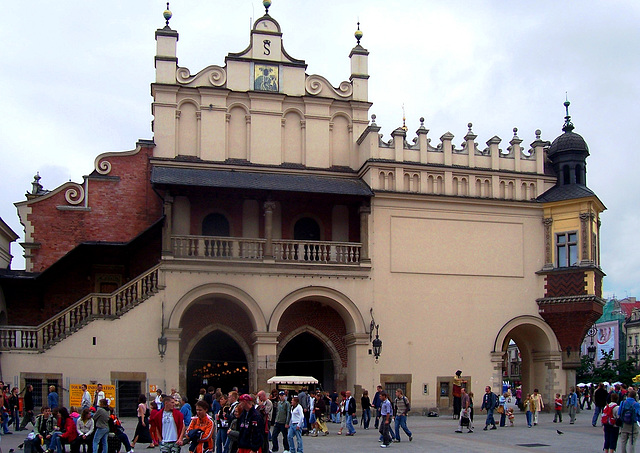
(217, 360)
(306, 355)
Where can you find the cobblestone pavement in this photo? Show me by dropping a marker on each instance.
(436, 435)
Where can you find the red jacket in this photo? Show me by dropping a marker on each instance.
(178, 418)
(70, 432)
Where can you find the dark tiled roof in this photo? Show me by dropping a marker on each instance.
(566, 192)
(569, 141)
(261, 181)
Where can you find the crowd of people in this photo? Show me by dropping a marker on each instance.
(615, 408)
(222, 423)
(247, 423)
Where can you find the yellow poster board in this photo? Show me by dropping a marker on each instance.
(75, 394)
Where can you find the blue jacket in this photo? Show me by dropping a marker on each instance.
(489, 401)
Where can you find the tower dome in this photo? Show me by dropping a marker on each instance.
(568, 155)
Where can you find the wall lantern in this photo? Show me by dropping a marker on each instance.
(162, 346)
(162, 340)
(377, 342)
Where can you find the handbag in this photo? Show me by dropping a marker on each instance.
(500, 409)
(354, 419)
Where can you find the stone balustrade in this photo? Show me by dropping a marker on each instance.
(250, 249)
(73, 318)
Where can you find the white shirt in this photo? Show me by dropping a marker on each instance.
(169, 430)
(86, 400)
(297, 415)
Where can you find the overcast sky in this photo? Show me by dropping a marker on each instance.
(75, 82)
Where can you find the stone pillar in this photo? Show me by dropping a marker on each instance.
(269, 207)
(358, 359)
(167, 227)
(364, 233)
(497, 359)
(548, 243)
(265, 356)
(586, 222)
(546, 379)
(174, 375)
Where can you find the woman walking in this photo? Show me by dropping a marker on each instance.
(142, 433)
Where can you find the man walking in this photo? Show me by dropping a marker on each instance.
(98, 395)
(600, 401)
(376, 404)
(283, 421)
(28, 415)
(250, 426)
(385, 425)
(465, 412)
(629, 412)
(401, 409)
(572, 405)
(170, 423)
(489, 402)
(350, 409)
(303, 398)
(85, 402)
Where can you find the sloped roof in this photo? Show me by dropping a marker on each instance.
(260, 181)
(566, 192)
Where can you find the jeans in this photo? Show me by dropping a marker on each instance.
(5, 423)
(100, 436)
(15, 418)
(596, 412)
(385, 431)
(350, 428)
(56, 443)
(490, 420)
(572, 414)
(221, 438)
(366, 418)
(294, 431)
(529, 418)
(277, 429)
(401, 422)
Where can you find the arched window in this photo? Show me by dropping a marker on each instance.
(306, 229)
(215, 225)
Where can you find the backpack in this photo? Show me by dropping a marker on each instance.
(607, 415)
(628, 414)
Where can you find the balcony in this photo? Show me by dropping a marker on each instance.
(250, 249)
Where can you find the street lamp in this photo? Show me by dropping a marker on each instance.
(591, 350)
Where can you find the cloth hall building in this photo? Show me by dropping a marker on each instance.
(267, 229)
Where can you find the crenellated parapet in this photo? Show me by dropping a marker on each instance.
(512, 173)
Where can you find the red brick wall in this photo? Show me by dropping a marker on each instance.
(122, 206)
(214, 311)
(565, 284)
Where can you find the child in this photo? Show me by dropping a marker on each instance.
(511, 416)
(558, 407)
(530, 406)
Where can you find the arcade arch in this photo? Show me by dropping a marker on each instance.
(540, 353)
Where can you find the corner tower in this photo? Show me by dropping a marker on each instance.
(573, 277)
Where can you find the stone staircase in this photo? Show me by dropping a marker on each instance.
(37, 339)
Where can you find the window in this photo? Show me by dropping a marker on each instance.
(567, 249)
(215, 225)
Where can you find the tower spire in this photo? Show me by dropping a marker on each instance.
(358, 34)
(568, 125)
(167, 15)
